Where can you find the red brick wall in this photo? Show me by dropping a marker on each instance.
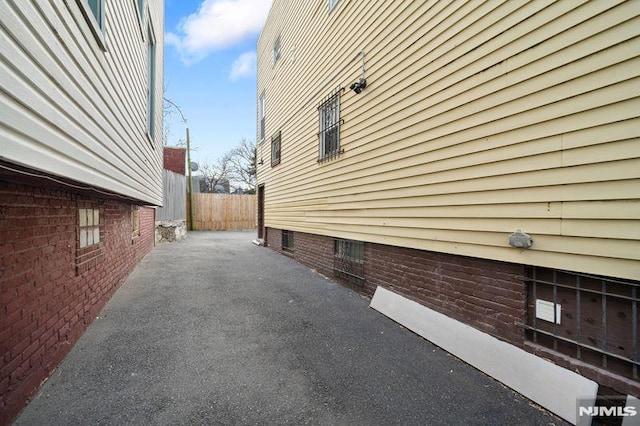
(46, 302)
(314, 251)
(485, 294)
(174, 159)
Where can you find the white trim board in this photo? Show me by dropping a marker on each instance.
(549, 385)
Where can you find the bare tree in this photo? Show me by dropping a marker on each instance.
(243, 164)
(168, 109)
(215, 176)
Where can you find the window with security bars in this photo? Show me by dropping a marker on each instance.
(590, 318)
(275, 149)
(287, 240)
(348, 260)
(329, 111)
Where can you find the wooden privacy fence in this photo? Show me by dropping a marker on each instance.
(224, 212)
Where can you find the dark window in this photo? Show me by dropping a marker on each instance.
(275, 149)
(329, 111)
(348, 260)
(276, 50)
(97, 9)
(287, 240)
(590, 318)
(94, 12)
(261, 115)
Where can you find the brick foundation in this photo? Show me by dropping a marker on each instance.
(47, 297)
(490, 296)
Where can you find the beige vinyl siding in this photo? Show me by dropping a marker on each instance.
(479, 118)
(73, 110)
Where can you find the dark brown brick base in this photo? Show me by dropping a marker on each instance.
(485, 294)
(47, 298)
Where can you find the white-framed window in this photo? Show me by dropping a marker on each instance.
(332, 4)
(329, 134)
(140, 8)
(93, 11)
(151, 82)
(261, 116)
(277, 50)
(88, 227)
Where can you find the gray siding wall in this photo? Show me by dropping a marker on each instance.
(75, 107)
(175, 197)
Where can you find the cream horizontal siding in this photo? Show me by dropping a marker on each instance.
(479, 118)
(73, 110)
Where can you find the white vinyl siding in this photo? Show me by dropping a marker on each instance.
(478, 119)
(69, 109)
(151, 82)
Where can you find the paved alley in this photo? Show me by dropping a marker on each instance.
(215, 330)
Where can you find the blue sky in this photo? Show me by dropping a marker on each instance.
(210, 71)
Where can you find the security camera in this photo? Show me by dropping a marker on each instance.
(359, 85)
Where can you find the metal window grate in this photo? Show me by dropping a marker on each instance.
(329, 112)
(287, 240)
(597, 321)
(348, 261)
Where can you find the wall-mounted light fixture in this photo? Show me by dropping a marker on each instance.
(520, 239)
(359, 85)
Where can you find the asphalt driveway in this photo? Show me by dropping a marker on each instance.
(216, 330)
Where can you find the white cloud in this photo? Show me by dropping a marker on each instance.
(244, 66)
(218, 24)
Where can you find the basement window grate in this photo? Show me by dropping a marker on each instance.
(348, 261)
(287, 240)
(587, 317)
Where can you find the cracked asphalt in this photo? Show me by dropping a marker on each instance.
(217, 331)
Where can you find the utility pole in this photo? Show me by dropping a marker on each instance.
(190, 185)
(190, 182)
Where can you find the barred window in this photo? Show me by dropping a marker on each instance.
(287, 240)
(329, 111)
(275, 149)
(348, 260)
(590, 318)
